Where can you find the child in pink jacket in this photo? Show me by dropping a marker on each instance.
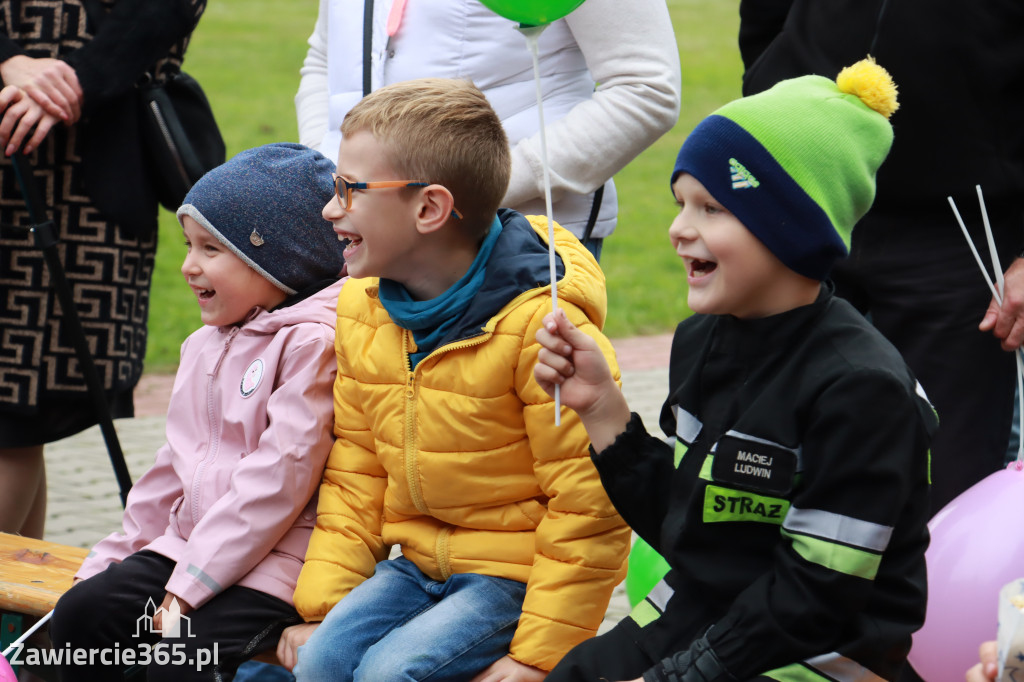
(202, 576)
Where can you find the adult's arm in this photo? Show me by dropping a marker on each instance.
(9, 48)
(311, 98)
(131, 38)
(760, 22)
(630, 50)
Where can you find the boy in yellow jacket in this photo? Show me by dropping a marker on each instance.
(446, 446)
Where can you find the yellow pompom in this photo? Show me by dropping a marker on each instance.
(872, 84)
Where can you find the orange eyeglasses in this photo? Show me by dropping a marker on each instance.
(345, 195)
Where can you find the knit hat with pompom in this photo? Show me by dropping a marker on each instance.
(796, 164)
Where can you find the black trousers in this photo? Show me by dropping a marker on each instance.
(109, 612)
(912, 271)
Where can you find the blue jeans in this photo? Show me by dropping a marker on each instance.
(401, 625)
(254, 671)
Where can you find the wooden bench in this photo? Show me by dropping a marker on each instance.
(35, 573)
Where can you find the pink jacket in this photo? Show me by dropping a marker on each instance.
(231, 496)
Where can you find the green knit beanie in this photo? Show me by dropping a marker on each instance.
(796, 164)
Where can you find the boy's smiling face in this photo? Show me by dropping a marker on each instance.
(380, 228)
(729, 271)
(226, 288)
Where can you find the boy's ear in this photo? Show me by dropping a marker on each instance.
(435, 207)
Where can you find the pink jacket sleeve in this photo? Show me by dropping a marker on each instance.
(145, 516)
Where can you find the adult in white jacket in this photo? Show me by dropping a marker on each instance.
(627, 48)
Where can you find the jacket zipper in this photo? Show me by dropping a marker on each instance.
(214, 445)
(412, 479)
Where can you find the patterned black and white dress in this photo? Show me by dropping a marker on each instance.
(93, 177)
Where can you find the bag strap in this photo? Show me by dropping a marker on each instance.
(595, 208)
(367, 44)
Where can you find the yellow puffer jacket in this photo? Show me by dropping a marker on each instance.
(460, 462)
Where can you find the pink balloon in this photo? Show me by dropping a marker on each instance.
(6, 673)
(976, 548)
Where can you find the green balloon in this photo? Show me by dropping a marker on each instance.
(532, 12)
(646, 569)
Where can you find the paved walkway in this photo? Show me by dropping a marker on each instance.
(84, 504)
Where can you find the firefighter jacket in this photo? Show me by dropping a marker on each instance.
(793, 507)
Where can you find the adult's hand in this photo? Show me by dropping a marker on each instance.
(23, 121)
(1006, 321)
(50, 82)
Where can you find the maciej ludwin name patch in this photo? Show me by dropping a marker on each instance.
(754, 466)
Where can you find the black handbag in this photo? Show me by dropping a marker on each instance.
(179, 135)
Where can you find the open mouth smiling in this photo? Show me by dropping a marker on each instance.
(348, 239)
(699, 268)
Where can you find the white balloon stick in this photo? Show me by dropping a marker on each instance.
(997, 293)
(996, 267)
(15, 643)
(531, 33)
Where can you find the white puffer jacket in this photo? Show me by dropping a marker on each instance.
(628, 49)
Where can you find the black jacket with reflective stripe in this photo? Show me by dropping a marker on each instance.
(796, 518)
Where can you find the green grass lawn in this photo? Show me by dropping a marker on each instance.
(247, 56)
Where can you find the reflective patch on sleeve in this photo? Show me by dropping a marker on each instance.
(836, 557)
(795, 672)
(204, 578)
(826, 668)
(679, 451)
(644, 613)
(845, 529)
(705, 468)
(687, 425)
(653, 605)
(725, 504)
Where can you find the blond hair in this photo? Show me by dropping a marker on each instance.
(442, 131)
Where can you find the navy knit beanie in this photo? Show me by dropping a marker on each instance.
(265, 205)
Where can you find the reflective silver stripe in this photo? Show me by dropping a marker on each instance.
(205, 579)
(687, 426)
(660, 595)
(844, 529)
(919, 389)
(798, 451)
(842, 669)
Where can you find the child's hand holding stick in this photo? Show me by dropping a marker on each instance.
(572, 361)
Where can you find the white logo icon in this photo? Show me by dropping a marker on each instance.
(171, 621)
